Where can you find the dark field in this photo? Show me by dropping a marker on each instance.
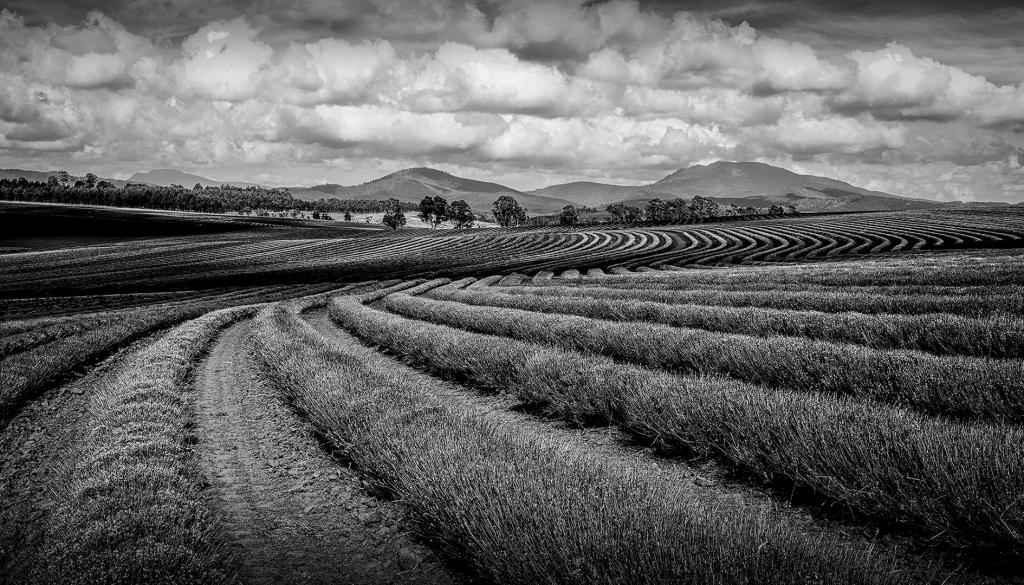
(217, 399)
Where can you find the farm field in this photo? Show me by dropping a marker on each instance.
(814, 399)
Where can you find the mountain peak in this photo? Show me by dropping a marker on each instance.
(753, 170)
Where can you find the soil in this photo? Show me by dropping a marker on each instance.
(291, 511)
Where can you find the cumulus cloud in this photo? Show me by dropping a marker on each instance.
(895, 83)
(530, 89)
(224, 61)
(697, 52)
(800, 135)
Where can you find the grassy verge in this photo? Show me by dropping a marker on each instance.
(1000, 336)
(960, 484)
(130, 507)
(526, 508)
(946, 385)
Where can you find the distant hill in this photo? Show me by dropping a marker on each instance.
(412, 185)
(168, 177)
(39, 176)
(42, 176)
(743, 183)
(591, 194)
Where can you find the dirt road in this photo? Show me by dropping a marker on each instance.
(293, 513)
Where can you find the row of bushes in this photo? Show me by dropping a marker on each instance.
(956, 483)
(946, 385)
(130, 505)
(994, 336)
(526, 506)
(971, 305)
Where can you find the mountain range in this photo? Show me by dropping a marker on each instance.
(741, 183)
(413, 184)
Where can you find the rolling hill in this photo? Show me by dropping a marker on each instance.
(742, 183)
(168, 177)
(413, 184)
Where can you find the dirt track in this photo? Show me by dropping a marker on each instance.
(293, 513)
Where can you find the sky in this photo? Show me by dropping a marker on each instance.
(920, 99)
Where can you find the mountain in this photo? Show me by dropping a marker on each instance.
(591, 194)
(412, 185)
(168, 177)
(746, 183)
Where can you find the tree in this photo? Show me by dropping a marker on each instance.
(197, 187)
(433, 210)
(348, 216)
(90, 180)
(440, 210)
(460, 213)
(631, 213)
(394, 217)
(569, 216)
(776, 209)
(676, 210)
(618, 210)
(655, 210)
(104, 185)
(508, 212)
(52, 181)
(64, 177)
(704, 208)
(426, 209)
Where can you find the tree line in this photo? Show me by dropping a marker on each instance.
(675, 211)
(90, 190)
(433, 210)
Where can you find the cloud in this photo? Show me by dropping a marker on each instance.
(698, 52)
(894, 83)
(390, 130)
(800, 135)
(332, 71)
(96, 55)
(520, 89)
(224, 61)
(461, 77)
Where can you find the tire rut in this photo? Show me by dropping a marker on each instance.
(292, 513)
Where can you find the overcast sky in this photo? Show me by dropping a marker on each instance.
(919, 99)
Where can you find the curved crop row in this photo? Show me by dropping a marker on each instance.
(524, 508)
(130, 505)
(973, 305)
(259, 258)
(999, 336)
(951, 480)
(953, 386)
